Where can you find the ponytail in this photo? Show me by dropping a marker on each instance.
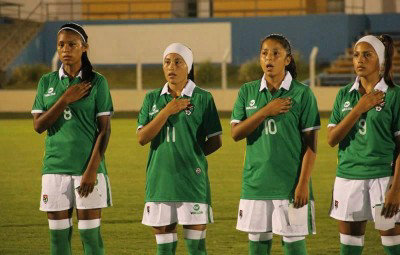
(191, 74)
(389, 51)
(87, 68)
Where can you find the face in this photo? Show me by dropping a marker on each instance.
(70, 47)
(273, 58)
(175, 69)
(365, 60)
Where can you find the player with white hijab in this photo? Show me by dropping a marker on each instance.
(182, 124)
(365, 122)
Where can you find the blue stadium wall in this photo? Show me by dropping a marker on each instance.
(331, 33)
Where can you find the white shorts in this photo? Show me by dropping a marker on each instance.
(354, 200)
(258, 216)
(157, 214)
(59, 193)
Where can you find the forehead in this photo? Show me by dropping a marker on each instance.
(364, 46)
(173, 56)
(272, 44)
(68, 35)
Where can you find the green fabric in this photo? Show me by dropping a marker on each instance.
(60, 241)
(75, 128)
(177, 169)
(92, 241)
(260, 248)
(366, 152)
(278, 139)
(166, 248)
(196, 247)
(295, 248)
(350, 249)
(392, 250)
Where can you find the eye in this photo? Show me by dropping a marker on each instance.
(275, 53)
(355, 54)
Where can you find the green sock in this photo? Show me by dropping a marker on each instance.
(392, 250)
(92, 241)
(350, 249)
(196, 247)
(260, 247)
(295, 248)
(166, 243)
(60, 241)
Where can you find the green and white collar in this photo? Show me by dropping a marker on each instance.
(381, 85)
(187, 90)
(62, 74)
(285, 83)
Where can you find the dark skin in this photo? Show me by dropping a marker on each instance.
(273, 60)
(175, 72)
(366, 66)
(70, 48)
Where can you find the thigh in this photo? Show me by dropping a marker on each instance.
(88, 214)
(193, 213)
(57, 193)
(353, 228)
(60, 215)
(100, 197)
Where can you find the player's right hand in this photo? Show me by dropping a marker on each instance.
(367, 101)
(76, 92)
(176, 105)
(277, 106)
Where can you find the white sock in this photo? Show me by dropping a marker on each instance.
(352, 240)
(194, 234)
(291, 239)
(257, 237)
(88, 224)
(390, 240)
(166, 238)
(60, 224)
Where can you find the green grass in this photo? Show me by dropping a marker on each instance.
(24, 229)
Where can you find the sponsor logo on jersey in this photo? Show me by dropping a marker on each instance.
(346, 106)
(45, 198)
(198, 171)
(196, 209)
(189, 109)
(50, 92)
(252, 105)
(154, 110)
(336, 204)
(378, 108)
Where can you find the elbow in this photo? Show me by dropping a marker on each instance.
(236, 137)
(331, 142)
(38, 128)
(141, 140)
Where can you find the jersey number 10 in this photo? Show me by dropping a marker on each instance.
(270, 127)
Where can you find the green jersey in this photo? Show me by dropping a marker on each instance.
(70, 140)
(367, 151)
(274, 150)
(177, 169)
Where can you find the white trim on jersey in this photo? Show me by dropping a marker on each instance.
(331, 125)
(37, 111)
(311, 128)
(235, 121)
(214, 134)
(104, 113)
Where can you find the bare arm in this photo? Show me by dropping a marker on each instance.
(301, 193)
(43, 121)
(212, 144)
(90, 175)
(149, 131)
(242, 129)
(340, 131)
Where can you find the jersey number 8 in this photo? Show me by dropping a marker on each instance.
(270, 127)
(67, 113)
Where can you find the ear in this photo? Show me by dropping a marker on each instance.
(288, 59)
(85, 47)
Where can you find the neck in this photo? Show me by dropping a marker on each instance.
(72, 70)
(176, 88)
(274, 82)
(369, 82)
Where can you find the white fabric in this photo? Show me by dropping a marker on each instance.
(158, 214)
(285, 83)
(187, 90)
(183, 51)
(60, 224)
(381, 85)
(257, 237)
(378, 46)
(88, 224)
(292, 239)
(62, 74)
(352, 240)
(194, 234)
(272, 216)
(166, 238)
(59, 193)
(390, 240)
(70, 28)
(354, 200)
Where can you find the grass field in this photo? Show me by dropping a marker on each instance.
(24, 229)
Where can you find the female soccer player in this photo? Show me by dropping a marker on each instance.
(182, 124)
(74, 106)
(279, 118)
(365, 122)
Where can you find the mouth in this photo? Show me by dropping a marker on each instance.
(66, 57)
(360, 68)
(269, 66)
(171, 75)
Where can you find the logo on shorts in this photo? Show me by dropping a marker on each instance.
(189, 109)
(379, 107)
(148, 209)
(198, 171)
(196, 209)
(240, 214)
(252, 105)
(45, 199)
(346, 106)
(336, 204)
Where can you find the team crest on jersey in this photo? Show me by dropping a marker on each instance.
(252, 105)
(154, 110)
(189, 109)
(45, 199)
(379, 107)
(336, 204)
(50, 92)
(196, 209)
(346, 106)
(198, 171)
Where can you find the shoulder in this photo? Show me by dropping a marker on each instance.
(250, 87)
(202, 92)
(48, 78)
(153, 94)
(98, 78)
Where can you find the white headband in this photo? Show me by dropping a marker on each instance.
(183, 51)
(378, 46)
(70, 28)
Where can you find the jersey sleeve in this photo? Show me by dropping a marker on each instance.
(309, 119)
(212, 122)
(335, 115)
(396, 115)
(143, 118)
(239, 108)
(104, 105)
(38, 104)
